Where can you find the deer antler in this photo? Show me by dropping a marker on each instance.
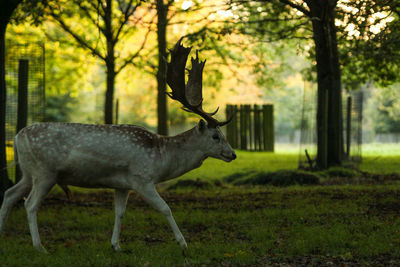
(190, 94)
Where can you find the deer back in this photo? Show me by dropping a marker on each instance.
(71, 149)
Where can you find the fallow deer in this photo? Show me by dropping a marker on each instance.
(121, 157)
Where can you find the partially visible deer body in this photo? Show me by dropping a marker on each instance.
(122, 157)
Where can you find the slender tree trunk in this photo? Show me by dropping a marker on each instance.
(110, 65)
(109, 99)
(6, 10)
(162, 112)
(329, 110)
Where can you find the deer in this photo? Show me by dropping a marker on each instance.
(119, 157)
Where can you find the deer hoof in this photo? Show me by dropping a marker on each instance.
(116, 247)
(182, 242)
(41, 249)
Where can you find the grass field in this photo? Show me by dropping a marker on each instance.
(224, 225)
(235, 226)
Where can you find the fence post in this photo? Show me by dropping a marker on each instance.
(22, 108)
(229, 126)
(250, 127)
(360, 120)
(247, 126)
(348, 126)
(116, 110)
(268, 127)
(243, 144)
(257, 129)
(235, 126)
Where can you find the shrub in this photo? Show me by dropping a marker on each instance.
(341, 172)
(281, 178)
(191, 184)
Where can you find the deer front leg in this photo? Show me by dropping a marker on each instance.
(39, 191)
(151, 196)
(120, 199)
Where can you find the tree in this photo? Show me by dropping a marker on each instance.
(162, 111)
(314, 19)
(7, 8)
(373, 52)
(164, 17)
(111, 24)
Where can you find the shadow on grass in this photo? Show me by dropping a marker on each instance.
(284, 178)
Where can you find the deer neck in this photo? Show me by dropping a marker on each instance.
(182, 153)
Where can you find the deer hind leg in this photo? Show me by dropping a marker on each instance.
(151, 196)
(39, 190)
(120, 199)
(12, 195)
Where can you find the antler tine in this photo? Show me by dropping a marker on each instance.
(227, 121)
(176, 71)
(194, 91)
(189, 95)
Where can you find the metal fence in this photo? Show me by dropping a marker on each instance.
(25, 67)
(352, 125)
(252, 127)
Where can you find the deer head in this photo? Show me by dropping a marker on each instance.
(190, 96)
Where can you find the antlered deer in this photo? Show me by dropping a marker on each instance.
(122, 157)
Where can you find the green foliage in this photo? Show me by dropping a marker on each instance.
(59, 108)
(383, 109)
(370, 46)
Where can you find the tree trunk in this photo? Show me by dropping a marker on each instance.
(6, 10)
(110, 65)
(329, 110)
(109, 99)
(335, 111)
(162, 112)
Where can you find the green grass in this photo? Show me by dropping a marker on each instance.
(213, 169)
(224, 225)
(381, 158)
(233, 226)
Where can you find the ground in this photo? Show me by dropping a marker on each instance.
(329, 224)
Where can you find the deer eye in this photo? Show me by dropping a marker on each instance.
(215, 137)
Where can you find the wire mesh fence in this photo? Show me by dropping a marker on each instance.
(352, 105)
(308, 133)
(32, 52)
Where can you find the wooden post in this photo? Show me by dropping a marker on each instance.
(257, 129)
(247, 127)
(268, 127)
(250, 126)
(235, 143)
(348, 126)
(229, 126)
(360, 120)
(242, 127)
(22, 109)
(116, 110)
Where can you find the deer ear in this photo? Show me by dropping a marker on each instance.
(202, 125)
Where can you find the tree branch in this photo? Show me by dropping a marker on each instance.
(128, 12)
(296, 6)
(134, 55)
(78, 38)
(89, 15)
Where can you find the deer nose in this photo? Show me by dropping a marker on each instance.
(233, 155)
